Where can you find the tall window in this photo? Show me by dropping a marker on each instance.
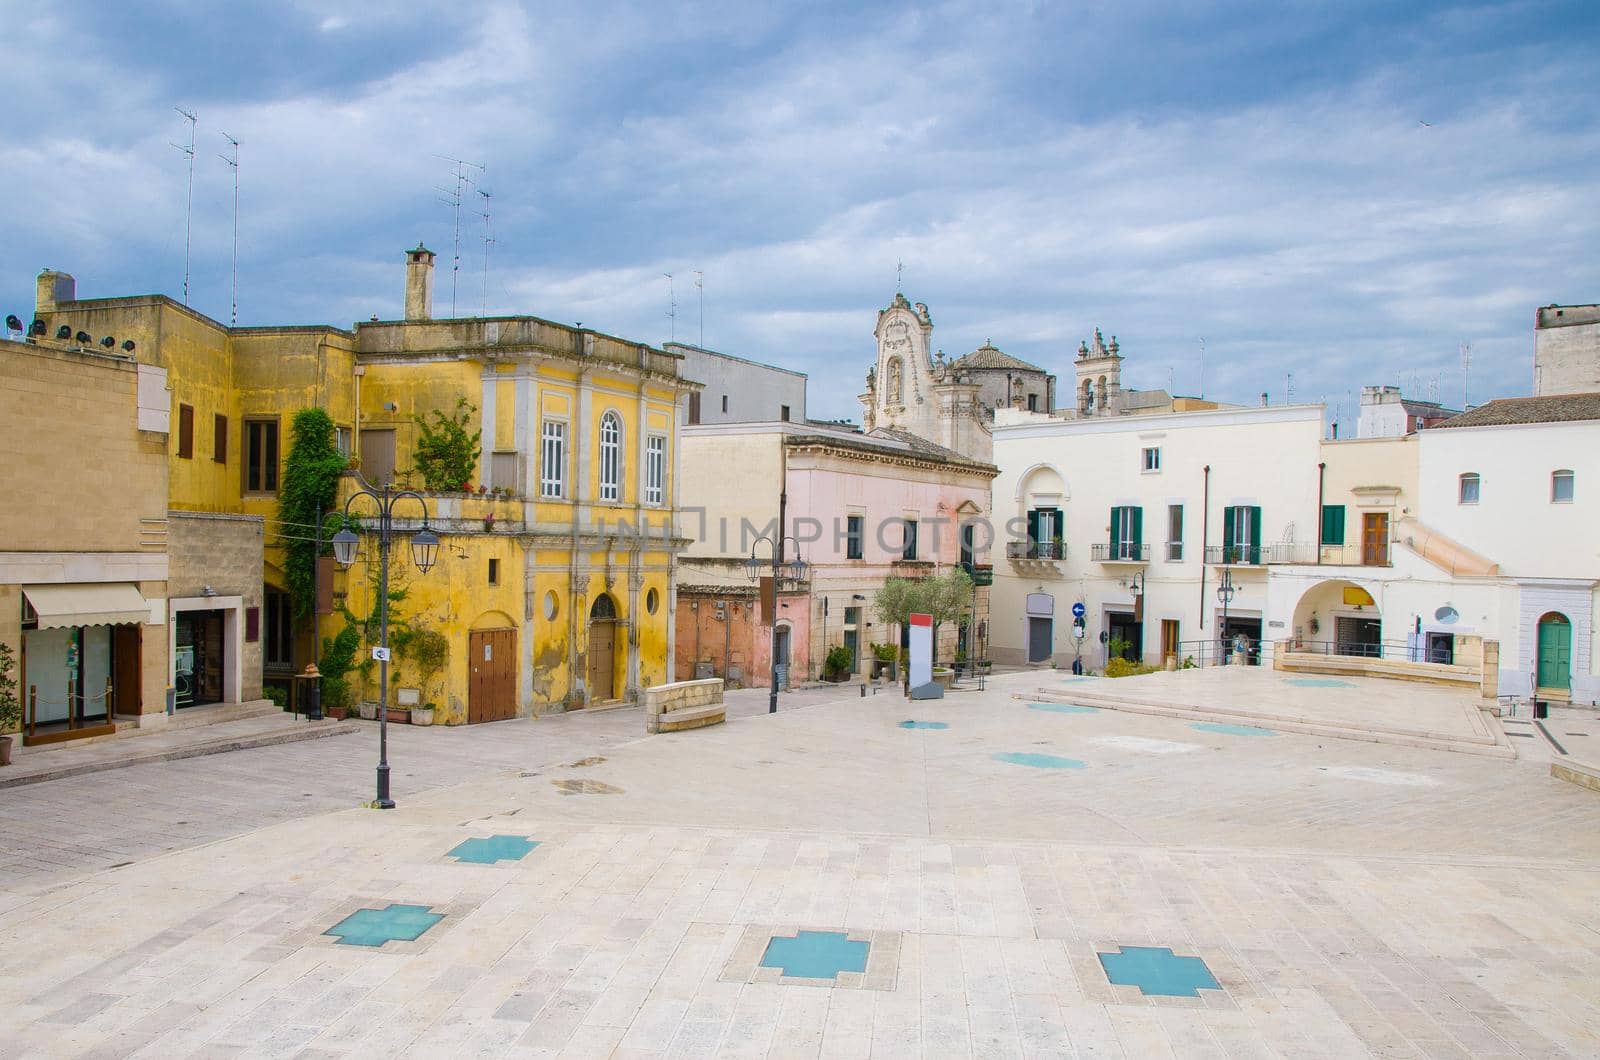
(694, 407)
(1561, 487)
(1469, 488)
(967, 534)
(854, 535)
(278, 644)
(553, 459)
(783, 413)
(1241, 534)
(910, 549)
(341, 440)
(185, 431)
(1046, 530)
(1174, 533)
(219, 438)
(1150, 458)
(1127, 532)
(610, 457)
(261, 456)
(655, 469)
(1333, 524)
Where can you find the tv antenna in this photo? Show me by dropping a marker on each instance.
(1466, 370)
(188, 206)
(1288, 388)
(1202, 367)
(452, 199)
(672, 309)
(488, 239)
(233, 163)
(700, 294)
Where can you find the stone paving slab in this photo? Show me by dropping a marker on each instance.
(1348, 707)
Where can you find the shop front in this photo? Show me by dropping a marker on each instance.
(81, 661)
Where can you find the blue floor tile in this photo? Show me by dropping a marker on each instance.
(1319, 682)
(1155, 970)
(374, 927)
(1063, 708)
(923, 725)
(1038, 761)
(495, 848)
(815, 954)
(1232, 730)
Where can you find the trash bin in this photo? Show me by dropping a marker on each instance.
(308, 692)
(1541, 709)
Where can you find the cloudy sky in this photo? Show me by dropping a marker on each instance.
(1346, 191)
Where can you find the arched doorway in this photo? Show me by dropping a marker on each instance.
(602, 649)
(1555, 651)
(1338, 617)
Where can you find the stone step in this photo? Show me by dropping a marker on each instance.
(56, 761)
(216, 714)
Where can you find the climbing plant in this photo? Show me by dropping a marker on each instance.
(310, 482)
(10, 705)
(446, 454)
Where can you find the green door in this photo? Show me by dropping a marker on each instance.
(1555, 652)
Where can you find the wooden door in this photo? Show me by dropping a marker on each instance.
(1169, 638)
(1375, 539)
(602, 659)
(492, 680)
(126, 669)
(377, 455)
(1555, 652)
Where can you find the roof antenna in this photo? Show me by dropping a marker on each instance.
(453, 199)
(1466, 368)
(233, 163)
(672, 309)
(1202, 368)
(899, 275)
(488, 239)
(700, 292)
(188, 207)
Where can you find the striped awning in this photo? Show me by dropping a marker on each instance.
(99, 604)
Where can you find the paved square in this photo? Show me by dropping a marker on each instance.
(1346, 897)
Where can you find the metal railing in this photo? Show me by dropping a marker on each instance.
(1245, 555)
(76, 718)
(1120, 552)
(1036, 550)
(1396, 650)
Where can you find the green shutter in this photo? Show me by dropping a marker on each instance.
(1227, 535)
(1116, 529)
(1333, 524)
(1058, 528)
(1255, 535)
(1138, 530)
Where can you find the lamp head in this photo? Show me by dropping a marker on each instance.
(344, 547)
(424, 549)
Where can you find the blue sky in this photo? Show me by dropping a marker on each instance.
(1254, 174)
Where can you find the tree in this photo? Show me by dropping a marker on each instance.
(944, 596)
(446, 456)
(310, 483)
(10, 705)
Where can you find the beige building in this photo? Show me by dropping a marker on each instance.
(83, 533)
(1566, 350)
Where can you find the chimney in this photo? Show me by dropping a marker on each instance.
(419, 283)
(53, 288)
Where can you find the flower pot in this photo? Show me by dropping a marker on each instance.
(336, 713)
(422, 715)
(369, 711)
(5, 750)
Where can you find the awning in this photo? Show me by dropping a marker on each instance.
(100, 604)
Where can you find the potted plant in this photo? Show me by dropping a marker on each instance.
(839, 662)
(423, 715)
(488, 521)
(10, 705)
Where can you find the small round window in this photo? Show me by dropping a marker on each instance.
(652, 600)
(550, 607)
(1446, 615)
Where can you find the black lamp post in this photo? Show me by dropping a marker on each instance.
(1225, 593)
(795, 570)
(424, 552)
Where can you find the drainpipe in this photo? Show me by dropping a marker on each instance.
(1322, 474)
(1205, 505)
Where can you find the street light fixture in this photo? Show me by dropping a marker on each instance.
(424, 553)
(1225, 593)
(794, 570)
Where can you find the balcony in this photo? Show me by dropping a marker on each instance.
(1041, 558)
(1241, 555)
(1121, 552)
(911, 568)
(981, 573)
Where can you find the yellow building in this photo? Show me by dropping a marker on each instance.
(554, 582)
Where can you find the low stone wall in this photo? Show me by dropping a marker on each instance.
(1575, 772)
(684, 705)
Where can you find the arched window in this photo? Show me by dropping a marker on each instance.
(1469, 488)
(610, 457)
(1561, 487)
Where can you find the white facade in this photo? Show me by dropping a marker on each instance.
(1566, 349)
(1363, 545)
(737, 390)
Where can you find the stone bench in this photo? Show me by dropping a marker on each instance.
(684, 705)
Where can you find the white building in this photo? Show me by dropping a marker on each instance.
(1386, 413)
(737, 390)
(1566, 350)
(1419, 547)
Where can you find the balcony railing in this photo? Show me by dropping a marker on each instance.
(1121, 552)
(1050, 550)
(1241, 555)
(981, 573)
(1303, 553)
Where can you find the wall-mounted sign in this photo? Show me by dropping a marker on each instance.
(1446, 615)
(380, 654)
(1041, 605)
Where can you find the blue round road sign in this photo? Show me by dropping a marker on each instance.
(1077, 610)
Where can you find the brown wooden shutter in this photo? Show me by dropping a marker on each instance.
(219, 439)
(252, 624)
(186, 431)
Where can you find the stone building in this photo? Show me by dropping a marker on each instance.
(554, 582)
(83, 532)
(911, 390)
(1566, 350)
(1005, 381)
(737, 390)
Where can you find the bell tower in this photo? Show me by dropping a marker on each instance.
(1099, 377)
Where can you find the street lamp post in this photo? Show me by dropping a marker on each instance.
(424, 552)
(794, 570)
(1225, 593)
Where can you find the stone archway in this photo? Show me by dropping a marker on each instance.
(1338, 617)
